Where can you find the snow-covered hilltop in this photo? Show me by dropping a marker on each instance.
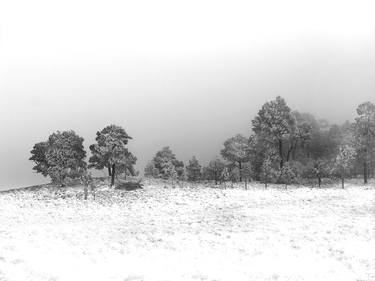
(188, 233)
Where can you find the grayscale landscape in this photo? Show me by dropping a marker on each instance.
(212, 140)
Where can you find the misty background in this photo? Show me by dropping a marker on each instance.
(184, 74)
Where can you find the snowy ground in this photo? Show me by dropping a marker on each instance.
(189, 234)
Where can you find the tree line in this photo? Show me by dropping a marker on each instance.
(284, 146)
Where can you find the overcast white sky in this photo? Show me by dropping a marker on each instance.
(187, 74)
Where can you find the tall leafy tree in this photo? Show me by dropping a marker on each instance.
(276, 124)
(61, 157)
(236, 150)
(193, 170)
(364, 132)
(110, 151)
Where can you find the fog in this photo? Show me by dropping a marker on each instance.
(182, 74)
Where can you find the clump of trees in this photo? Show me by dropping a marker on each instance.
(214, 170)
(62, 156)
(193, 170)
(284, 146)
(287, 146)
(164, 165)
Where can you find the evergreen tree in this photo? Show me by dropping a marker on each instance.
(193, 170)
(38, 155)
(110, 152)
(236, 150)
(267, 172)
(166, 155)
(169, 171)
(275, 124)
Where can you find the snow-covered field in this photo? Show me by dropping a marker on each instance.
(188, 234)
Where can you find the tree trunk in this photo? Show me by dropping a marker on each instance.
(294, 151)
(240, 168)
(342, 182)
(281, 153)
(85, 189)
(109, 171)
(113, 175)
(290, 150)
(369, 176)
(365, 172)
(319, 181)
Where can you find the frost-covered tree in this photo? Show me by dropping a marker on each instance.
(38, 155)
(287, 174)
(110, 152)
(214, 170)
(61, 157)
(364, 132)
(267, 171)
(126, 165)
(236, 150)
(166, 155)
(344, 161)
(275, 124)
(169, 171)
(257, 152)
(87, 182)
(225, 176)
(300, 135)
(193, 170)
